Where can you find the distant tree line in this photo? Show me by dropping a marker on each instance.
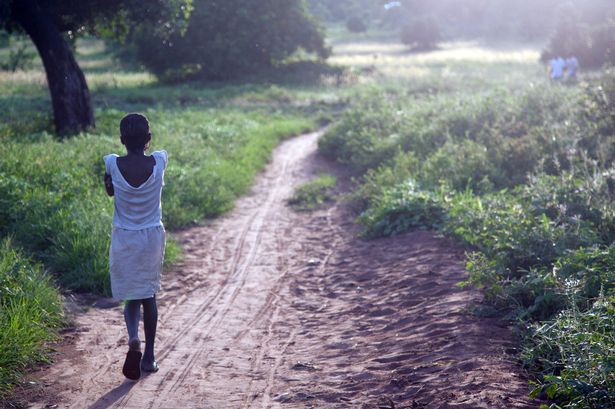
(528, 19)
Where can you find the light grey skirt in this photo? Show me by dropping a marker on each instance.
(135, 262)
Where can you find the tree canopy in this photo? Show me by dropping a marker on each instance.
(230, 38)
(44, 21)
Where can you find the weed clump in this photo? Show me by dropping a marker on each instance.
(314, 193)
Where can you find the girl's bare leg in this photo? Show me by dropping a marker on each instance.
(132, 316)
(150, 321)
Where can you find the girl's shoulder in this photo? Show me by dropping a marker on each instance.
(109, 161)
(161, 155)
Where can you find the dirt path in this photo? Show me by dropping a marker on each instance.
(272, 308)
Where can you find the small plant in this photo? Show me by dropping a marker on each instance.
(314, 193)
(401, 208)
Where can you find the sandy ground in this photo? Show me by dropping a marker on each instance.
(273, 308)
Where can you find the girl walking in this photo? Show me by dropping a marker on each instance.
(138, 237)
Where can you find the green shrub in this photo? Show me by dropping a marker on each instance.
(458, 165)
(314, 193)
(575, 354)
(592, 44)
(598, 105)
(400, 208)
(30, 312)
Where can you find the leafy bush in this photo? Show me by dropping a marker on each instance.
(598, 108)
(458, 165)
(593, 44)
(575, 353)
(30, 312)
(231, 39)
(480, 135)
(314, 193)
(400, 208)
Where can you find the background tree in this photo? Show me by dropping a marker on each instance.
(590, 39)
(47, 21)
(421, 34)
(229, 39)
(356, 24)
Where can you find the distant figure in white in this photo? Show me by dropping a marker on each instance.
(572, 66)
(392, 5)
(556, 68)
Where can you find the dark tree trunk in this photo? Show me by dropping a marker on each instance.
(70, 97)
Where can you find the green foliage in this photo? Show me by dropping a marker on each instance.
(19, 58)
(467, 140)
(53, 203)
(575, 353)
(400, 208)
(314, 193)
(231, 39)
(591, 42)
(111, 17)
(525, 179)
(30, 311)
(598, 108)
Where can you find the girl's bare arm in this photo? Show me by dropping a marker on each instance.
(109, 184)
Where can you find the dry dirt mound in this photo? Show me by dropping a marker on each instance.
(273, 308)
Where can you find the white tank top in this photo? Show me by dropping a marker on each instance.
(137, 208)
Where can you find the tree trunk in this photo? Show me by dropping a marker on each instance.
(70, 97)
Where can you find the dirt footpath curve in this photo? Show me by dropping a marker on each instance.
(272, 308)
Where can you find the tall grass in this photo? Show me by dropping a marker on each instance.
(54, 205)
(30, 312)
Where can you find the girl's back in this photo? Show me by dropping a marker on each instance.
(137, 186)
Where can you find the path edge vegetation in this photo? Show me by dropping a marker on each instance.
(524, 178)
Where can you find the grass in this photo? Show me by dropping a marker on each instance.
(313, 194)
(30, 312)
